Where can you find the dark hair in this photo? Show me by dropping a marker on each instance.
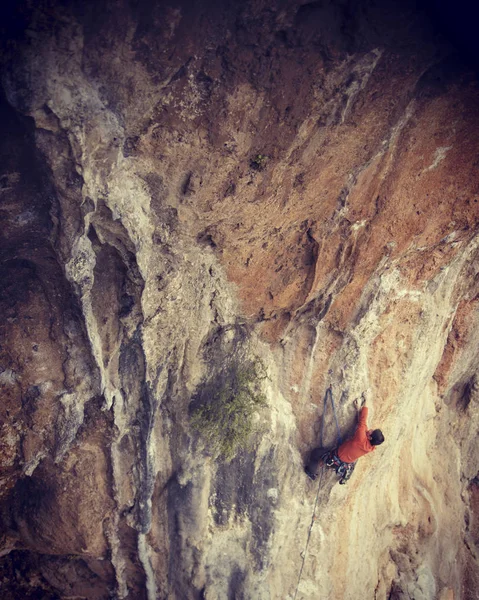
(377, 437)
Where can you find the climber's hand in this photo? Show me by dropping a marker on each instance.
(363, 401)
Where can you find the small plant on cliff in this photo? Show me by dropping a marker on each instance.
(226, 407)
(259, 162)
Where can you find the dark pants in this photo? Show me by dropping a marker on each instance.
(315, 458)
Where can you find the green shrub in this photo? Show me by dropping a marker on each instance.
(223, 414)
(259, 162)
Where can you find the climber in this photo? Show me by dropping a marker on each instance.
(343, 459)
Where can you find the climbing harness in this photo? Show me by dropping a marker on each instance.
(328, 394)
(332, 461)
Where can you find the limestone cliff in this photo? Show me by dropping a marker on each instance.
(182, 183)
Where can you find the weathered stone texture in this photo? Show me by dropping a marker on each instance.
(187, 182)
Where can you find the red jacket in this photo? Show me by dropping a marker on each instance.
(358, 445)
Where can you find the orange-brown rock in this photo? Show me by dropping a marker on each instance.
(187, 185)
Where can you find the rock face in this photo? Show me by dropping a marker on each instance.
(185, 183)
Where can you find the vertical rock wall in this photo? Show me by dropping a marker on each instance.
(181, 184)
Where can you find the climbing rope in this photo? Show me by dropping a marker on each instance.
(309, 533)
(329, 393)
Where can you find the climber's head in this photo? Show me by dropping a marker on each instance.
(376, 437)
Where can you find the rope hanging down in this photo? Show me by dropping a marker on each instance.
(329, 393)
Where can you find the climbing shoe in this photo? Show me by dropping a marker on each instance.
(312, 476)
